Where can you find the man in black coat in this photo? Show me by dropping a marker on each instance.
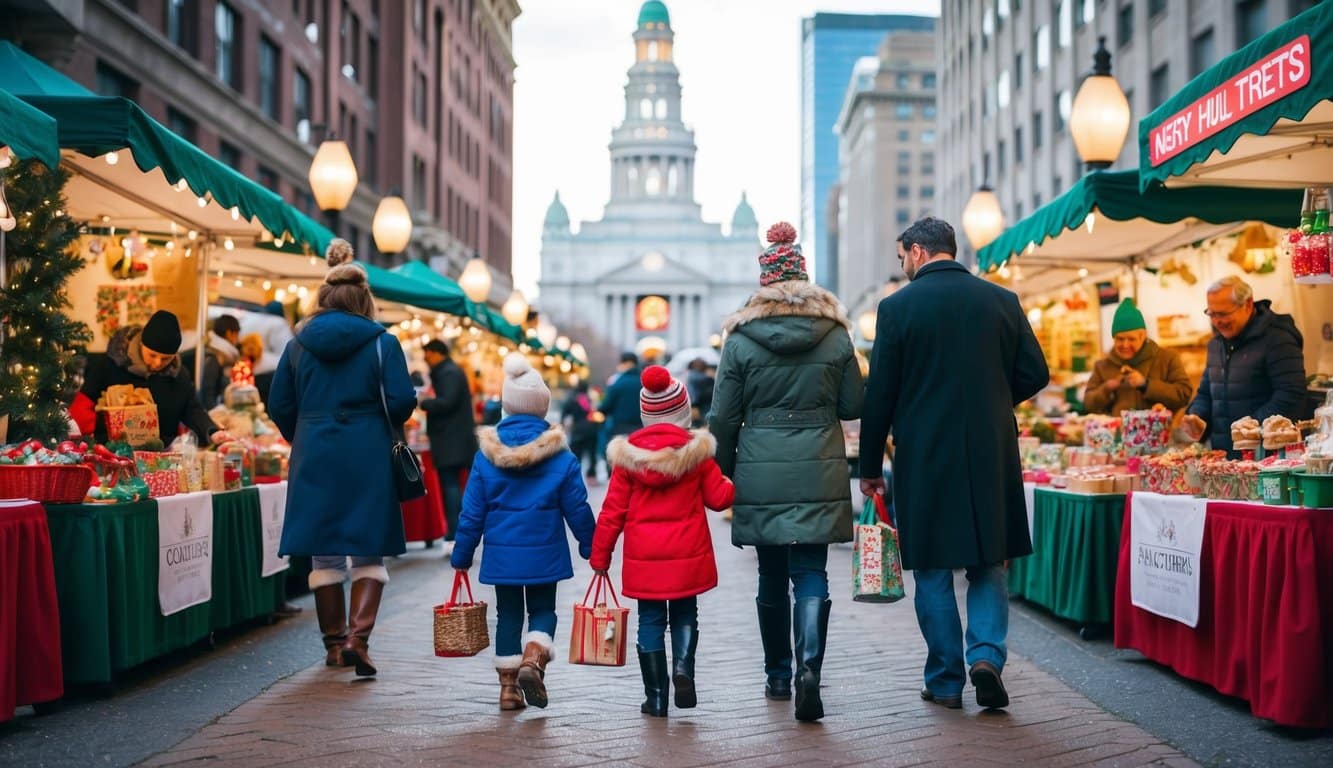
(1255, 367)
(450, 428)
(953, 355)
(621, 403)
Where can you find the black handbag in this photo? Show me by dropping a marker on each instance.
(405, 466)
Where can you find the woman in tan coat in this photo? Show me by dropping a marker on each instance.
(1137, 374)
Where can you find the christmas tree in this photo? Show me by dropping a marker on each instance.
(42, 346)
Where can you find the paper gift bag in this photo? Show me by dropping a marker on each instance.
(599, 631)
(877, 573)
(135, 424)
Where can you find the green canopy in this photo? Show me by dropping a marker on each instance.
(95, 126)
(1267, 108)
(1104, 217)
(449, 291)
(27, 131)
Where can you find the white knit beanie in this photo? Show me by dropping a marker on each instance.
(523, 390)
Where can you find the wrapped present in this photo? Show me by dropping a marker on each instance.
(1101, 434)
(162, 483)
(1145, 432)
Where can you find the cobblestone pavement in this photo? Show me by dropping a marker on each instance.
(427, 711)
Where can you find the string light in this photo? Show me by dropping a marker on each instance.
(235, 213)
(268, 286)
(112, 158)
(202, 202)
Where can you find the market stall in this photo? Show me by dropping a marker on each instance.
(28, 132)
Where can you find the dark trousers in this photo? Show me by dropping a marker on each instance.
(583, 444)
(453, 497)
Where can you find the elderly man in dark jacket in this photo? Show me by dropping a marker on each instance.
(1255, 365)
(953, 355)
(450, 428)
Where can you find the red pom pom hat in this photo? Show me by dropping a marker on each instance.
(663, 400)
(782, 260)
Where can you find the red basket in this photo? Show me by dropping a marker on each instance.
(54, 484)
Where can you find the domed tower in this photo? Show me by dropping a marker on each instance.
(557, 219)
(744, 224)
(652, 151)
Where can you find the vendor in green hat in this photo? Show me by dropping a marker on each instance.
(1136, 374)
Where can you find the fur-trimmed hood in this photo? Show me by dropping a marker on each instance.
(520, 442)
(661, 454)
(789, 317)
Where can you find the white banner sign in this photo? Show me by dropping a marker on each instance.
(1166, 539)
(272, 513)
(185, 551)
(1029, 498)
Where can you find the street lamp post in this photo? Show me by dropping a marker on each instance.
(515, 308)
(476, 280)
(333, 178)
(1099, 118)
(392, 225)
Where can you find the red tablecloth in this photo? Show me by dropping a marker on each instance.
(1265, 629)
(30, 670)
(423, 518)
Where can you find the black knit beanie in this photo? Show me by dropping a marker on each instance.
(162, 333)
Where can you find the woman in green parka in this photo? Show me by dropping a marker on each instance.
(787, 377)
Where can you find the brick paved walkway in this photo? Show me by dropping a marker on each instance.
(427, 711)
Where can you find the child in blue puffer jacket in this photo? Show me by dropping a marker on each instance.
(524, 487)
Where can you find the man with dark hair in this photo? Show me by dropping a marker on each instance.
(621, 403)
(953, 355)
(221, 352)
(450, 429)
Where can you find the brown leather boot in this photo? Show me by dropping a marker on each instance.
(330, 608)
(511, 697)
(367, 590)
(532, 669)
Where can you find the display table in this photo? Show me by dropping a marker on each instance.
(1265, 630)
(106, 561)
(1075, 542)
(30, 671)
(423, 518)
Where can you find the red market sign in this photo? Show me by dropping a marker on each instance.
(1281, 74)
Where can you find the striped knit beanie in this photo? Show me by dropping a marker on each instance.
(663, 400)
(782, 260)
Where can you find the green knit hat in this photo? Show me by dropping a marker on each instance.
(1127, 318)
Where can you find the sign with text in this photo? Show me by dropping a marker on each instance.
(272, 513)
(1276, 76)
(1166, 539)
(185, 551)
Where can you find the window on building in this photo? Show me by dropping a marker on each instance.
(1018, 71)
(1065, 21)
(418, 183)
(1156, 6)
(903, 192)
(927, 163)
(929, 112)
(1041, 48)
(1036, 131)
(1018, 145)
(1251, 20)
(1000, 158)
(301, 104)
(1036, 200)
(268, 179)
(646, 109)
(928, 136)
(269, 98)
(1159, 86)
(181, 124)
(660, 109)
(928, 81)
(182, 23)
(227, 26)
(1084, 12)
(904, 217)
(1018, 210)
(928, 192)
(903, 111)
(904, 135)
(1202, 52)
(1002, 9)
(987, 26)
(419, 96)
(1002, 90)
(1124, 26)
(372, 81)
(113, 82)
(904, 82)
(1060, 115)
(419, 17)
(229, 155)
(370, 169)
(355, 59)
(904, 162)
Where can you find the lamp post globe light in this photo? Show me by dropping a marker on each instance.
(546, 332)
(476, 280)
(392, 225)
(579, 352)
(515, 308)
(983, 220)
(866, 324)
(1099, 118)
(333, 176)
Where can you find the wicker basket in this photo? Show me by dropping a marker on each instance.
(48, 483)
(460, 628)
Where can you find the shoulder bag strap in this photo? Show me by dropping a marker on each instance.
(384, 401)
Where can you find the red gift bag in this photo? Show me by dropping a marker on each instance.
(599, 631)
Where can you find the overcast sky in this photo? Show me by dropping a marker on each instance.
(739, 63)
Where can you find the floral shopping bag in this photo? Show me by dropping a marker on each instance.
(877, 572)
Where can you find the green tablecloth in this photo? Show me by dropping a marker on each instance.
(106, 558)
(1075, 543)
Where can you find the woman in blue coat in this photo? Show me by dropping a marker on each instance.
(330, 394)
(524, 488)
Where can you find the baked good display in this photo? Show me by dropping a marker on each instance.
(1245, 434)
(1279, 432)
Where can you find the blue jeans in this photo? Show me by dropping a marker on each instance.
(653, 620)
(937, 614)
(804, 565)
(453, 498)
(339, 562)
(509, 601)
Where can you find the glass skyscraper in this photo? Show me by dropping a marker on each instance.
(830, 45)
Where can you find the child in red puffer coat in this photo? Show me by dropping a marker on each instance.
(662, 477)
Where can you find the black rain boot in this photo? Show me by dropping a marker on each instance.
(810, 621)
(656, 688)
(684, 641)
(775, 632)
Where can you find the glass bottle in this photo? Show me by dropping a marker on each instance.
(1320, 239)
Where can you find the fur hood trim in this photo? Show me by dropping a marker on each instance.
(548, 444)
(789, 297)
(673, 463)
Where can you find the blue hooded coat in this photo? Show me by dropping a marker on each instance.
(524, 488)
(325, 398)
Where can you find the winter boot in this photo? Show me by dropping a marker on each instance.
(810, 621)
(331, 609)
(684, 641)
(775, 631)
(367, 589)
(510, 696)
(537, 651)
(653, 667)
